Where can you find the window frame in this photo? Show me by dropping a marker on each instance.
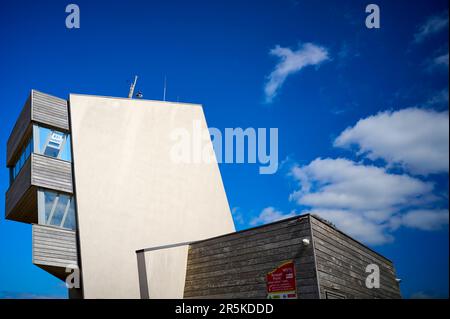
(24, 155)
(43, 220)
(64, 144)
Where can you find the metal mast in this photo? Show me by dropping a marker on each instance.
(130, 94)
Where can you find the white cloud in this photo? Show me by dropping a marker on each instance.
(344, 184)
(269, 215)
(432, 25)
(355, 225)
(364, 201)
(416, 139)
(424, 219)
(370, 202)
(290, 63)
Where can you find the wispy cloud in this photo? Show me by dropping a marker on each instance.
(425, 295)
(346, 54)
(441, 60)
(438, 99)
(238, 217)
(269, 215)
(432, 25)
(292, 62)
(26, 295)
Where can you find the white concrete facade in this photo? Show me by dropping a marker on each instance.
(131, 195)
(166, 272)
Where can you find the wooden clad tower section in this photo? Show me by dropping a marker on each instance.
(53, 248)
(39, 108)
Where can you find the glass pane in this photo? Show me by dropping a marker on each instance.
(70, 218)
(29, 147)
(66, 153)
(60, 203)
(26, 151)
(60, 209)
(20, 162)
(50, 197)
(54, 144)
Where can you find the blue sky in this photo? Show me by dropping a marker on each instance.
(362, 113)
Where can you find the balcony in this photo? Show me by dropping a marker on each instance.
(39, 108)
(54, 250)
(39, 171)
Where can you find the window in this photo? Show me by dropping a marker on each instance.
(56, 209)
(52, 143)
(43, 141)
(24, 155)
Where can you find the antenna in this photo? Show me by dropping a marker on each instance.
(165, 88)
(130, 93)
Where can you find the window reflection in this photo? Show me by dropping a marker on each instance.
(24, 155)
(56, 209)
(43, 141)
(53, 143)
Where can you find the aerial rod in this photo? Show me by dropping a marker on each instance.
(165, 88)
(130, 93)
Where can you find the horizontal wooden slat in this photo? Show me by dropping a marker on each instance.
(39, 108)
(49, 110)
(291, 247)
(353, 279)
(54, 248)
(329, 242)
(248, 246)
(243, 267)
(349, 242)
(342, 261)
(226, 240)
(19, 186)
(242, 242)
(51, 173)
(236, 265)
(328, 250)
(54, 234)
(38, 171)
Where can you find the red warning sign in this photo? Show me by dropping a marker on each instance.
(281, 282)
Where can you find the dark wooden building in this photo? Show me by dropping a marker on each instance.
(328, 263)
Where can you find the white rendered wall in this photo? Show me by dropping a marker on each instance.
(164, 264)
(131, 195)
